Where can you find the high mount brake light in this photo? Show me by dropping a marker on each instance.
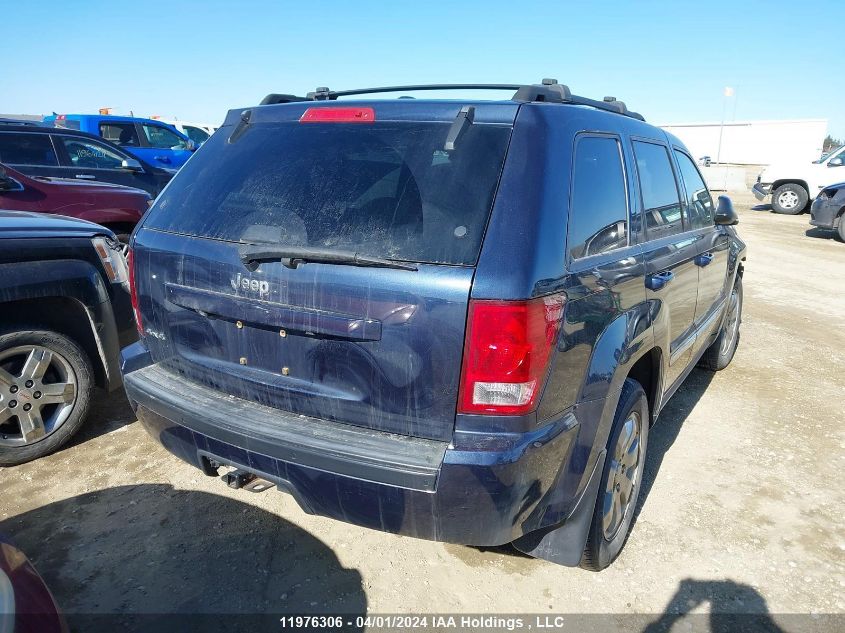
(338, 115)
(133, 289)
(507, 351)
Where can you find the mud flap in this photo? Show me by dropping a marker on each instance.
(564, 543)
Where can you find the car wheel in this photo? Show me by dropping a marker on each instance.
(720, 354)
(621, 479)
(45, 390)
(790, 199)
(841, 229)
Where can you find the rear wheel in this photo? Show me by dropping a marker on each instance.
(720, 354)
(790, 199)
(621, 479)
(45, 391)
(841, 229)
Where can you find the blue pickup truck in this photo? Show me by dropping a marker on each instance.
(152, 141)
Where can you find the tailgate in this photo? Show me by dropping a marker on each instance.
(377, 350)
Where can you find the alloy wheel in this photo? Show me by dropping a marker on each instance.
(38, 390)
(622, 478)
(731, 323)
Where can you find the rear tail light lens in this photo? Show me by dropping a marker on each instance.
(506, 354)
(338, 115)
(133, 289)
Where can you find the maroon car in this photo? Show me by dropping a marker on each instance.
(26, 605)
(114, 206)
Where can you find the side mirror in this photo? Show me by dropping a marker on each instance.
(130, 164)
(725, 214)
(835, 162)
(7, 183)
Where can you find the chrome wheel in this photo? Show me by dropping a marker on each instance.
(731, 323)
(622, 477)
(38, 389)
(788, 200)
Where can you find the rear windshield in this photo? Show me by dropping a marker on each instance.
(387, 189)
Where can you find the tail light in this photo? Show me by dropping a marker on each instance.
(133, 289)
(338, 115)
(506, 354)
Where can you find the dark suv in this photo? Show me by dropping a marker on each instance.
(454, 320)
(61, 153)
(65, 312)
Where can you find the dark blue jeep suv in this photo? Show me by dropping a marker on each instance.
(454, 320)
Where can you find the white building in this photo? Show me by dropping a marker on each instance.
(754, 142)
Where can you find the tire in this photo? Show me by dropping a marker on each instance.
(609, 529)
(841, 228)
(46, 377)
(789, 199)
(721, 352)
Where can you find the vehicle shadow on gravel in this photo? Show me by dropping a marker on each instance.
(665, 431)
(150, 558)
(825, 234)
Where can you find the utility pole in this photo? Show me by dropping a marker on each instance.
(727, 93)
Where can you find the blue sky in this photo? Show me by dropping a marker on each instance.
(667, 60)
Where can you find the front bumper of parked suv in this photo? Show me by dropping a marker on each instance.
(762, 190)
(823, 213)
(478, 489)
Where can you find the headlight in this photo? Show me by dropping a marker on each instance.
(114, 263)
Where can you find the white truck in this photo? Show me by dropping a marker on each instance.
(197, 132)
(793, 186)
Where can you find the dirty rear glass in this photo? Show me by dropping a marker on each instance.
(386, 189)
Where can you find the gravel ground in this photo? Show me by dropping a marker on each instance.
(741, 510)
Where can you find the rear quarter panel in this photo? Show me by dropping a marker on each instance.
(607, 325)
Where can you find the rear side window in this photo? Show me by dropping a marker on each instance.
(661, 204)
(386, 189)
(27, 149)
(698, 201)
(86, 154)
(120, 133)
(598, 209)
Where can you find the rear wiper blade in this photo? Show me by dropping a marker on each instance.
(292, 257)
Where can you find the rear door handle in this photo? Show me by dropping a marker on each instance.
(85, 177)
(659, 280)
(704, 259)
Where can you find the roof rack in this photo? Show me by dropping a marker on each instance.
(548, 91)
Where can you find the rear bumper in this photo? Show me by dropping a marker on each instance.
(487, 489)
(761, 191)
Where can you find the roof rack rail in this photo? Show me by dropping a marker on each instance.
(274, 98)
(549, 90)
